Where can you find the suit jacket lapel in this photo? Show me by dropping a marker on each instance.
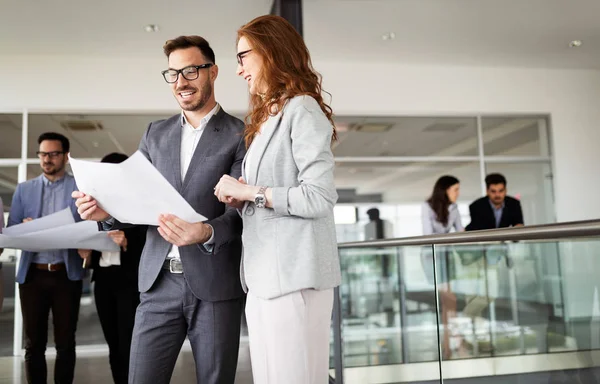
(491, 214)
(174, 142)
(69, 188)
(268, 129)
(38, 191)
(504, 216)
(207, 140)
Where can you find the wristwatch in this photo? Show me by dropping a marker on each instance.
(260, 199)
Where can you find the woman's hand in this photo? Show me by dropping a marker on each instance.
(234, 192)
(119, 238)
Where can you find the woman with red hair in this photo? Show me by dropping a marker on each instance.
(286, 197)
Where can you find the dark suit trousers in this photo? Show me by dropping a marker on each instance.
(167, 313)
(116, 303)
(44, 291)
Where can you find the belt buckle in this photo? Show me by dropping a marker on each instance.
(175, 265)
(49, 267)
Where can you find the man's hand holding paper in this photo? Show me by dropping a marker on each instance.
(131, 192)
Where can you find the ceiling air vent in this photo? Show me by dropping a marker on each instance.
(82, 125)
(443, 127)
(373, 127)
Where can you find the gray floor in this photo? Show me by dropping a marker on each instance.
(95, 369)
(579, 376)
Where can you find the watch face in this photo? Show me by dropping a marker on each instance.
(259, 201)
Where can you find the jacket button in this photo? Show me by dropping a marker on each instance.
(250, 211)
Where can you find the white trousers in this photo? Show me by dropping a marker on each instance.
(289, 337)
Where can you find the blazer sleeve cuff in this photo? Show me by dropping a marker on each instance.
(280, 200)
(219, 229)
(210, 243)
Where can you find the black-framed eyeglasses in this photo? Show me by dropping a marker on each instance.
(240, 57)
(52, 155)
(189, 73)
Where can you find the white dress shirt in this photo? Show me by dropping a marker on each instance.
(250, 155)
(110, 258)
(190, 137)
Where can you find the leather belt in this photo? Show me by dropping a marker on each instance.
(49, 267)
(173, 265)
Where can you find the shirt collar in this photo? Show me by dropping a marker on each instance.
(48, 182)
(204, 120)
(494, 207)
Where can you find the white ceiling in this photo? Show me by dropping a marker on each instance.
(533, 33)
(466, 32)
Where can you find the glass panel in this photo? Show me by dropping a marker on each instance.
(515, 136)
(531, 183)
(502, 299)
(403, 188)
(8, 183)
(387, 319)
(529, 299)
(387, 136)
(538, 300)
(404, 182)
(92, 136)
(34, 170)
(580, 262)
(10, 132)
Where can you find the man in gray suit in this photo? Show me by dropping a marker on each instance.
(189, 272)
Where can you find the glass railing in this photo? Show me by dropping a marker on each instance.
(515, 305)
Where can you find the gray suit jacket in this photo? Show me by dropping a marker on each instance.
(212, 276)
(292, 246)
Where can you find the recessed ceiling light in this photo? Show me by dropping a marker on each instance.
(151, 28)
(388, 36)
(575, 43)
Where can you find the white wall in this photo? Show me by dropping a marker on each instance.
(54, 83)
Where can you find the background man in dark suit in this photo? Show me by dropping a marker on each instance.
(496, 210)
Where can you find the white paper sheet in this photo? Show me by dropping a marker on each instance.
(133, 191)
(54, 220)
(82, 235)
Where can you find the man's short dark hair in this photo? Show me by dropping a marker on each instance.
(66, 146)
(373, 214)
(184, 42)
(495, 178)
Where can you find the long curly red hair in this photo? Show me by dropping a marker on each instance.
(287, 71)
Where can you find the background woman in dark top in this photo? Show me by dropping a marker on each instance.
(116, 289)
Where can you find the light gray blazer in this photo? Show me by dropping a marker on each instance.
(293, 245)
(431, 224)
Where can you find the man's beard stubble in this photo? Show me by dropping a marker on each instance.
(53, 171)
(206, 92)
